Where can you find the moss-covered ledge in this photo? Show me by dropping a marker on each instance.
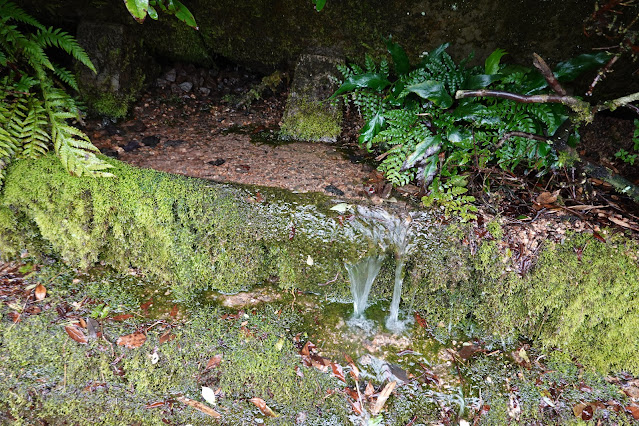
(194, 234)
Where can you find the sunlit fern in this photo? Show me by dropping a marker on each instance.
(35, 109)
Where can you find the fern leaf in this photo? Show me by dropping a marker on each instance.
(65, 76)
(8, 11)
(66, 42)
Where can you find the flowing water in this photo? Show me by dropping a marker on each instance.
(392, 233)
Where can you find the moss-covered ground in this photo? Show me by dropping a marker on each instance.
(51, 378)
(154, 254)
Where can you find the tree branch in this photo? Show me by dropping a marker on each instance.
(545, 70)
(582, 108)
(509, 135)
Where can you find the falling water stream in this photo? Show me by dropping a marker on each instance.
(389, 232)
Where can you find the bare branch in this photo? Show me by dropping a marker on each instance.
(619, 102)
(545, 70)
(602, 74)
(582, 108)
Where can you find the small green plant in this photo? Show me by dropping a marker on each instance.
(423, 133)
(626, 156)
(34, 105)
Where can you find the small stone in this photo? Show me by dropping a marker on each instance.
(110, 153)
(161, 83)
(136, 126)
(170, 75)
(332, 189)
(186, 86)
(151, 141)
(174, 142)
(217, 162)
(205, 91)
(133, 145)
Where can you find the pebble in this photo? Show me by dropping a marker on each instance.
(151, 141)
(186, 86)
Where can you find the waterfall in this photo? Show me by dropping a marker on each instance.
(389, 232)
(362, 274)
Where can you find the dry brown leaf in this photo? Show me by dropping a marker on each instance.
(383, 396)
(15, 316)
(82, 323)
(369, 390)
(338, 371)
(166, 337)
(121, 317)
(131, 341)
(265, 409)
(214, 362)
(634, 410)
(623, 223)
(199, 406)
(75, 332)
(40, 292)
(547, 197)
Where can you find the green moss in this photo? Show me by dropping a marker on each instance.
(47, 377)
(312, 121)
(186, 232)
(588, 306)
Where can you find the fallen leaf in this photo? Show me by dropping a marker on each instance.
(40, 292)
(634, 410)
(154, 405)
(121, 317)
(213, 362)
(420, 321)
(370, 390)
(265, 409)
(341, 207)
(357, 407)
(338, 371)
(131, 341)
(199, 406)
(76, 333)
(309, 260)
(209, 395)
(383, 396)
(15, 317)
(166, 337)
(547, 197)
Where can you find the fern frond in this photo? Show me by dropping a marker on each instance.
(65, 41)
(65, 76)
(10, 11)
(35, 137)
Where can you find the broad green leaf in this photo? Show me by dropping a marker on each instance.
(319, 4)
(374, 81)
(429, 146)
(153, 14)
(480, 81)
(430, 170)
(492, 62)
(570, 69)
(137, 8)
(400, 58)
(469, 111)
(458, 134)
(433, 91)
(184, 14)
(371, 128)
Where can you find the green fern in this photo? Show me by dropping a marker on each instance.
(35, 110)
(406, 113)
